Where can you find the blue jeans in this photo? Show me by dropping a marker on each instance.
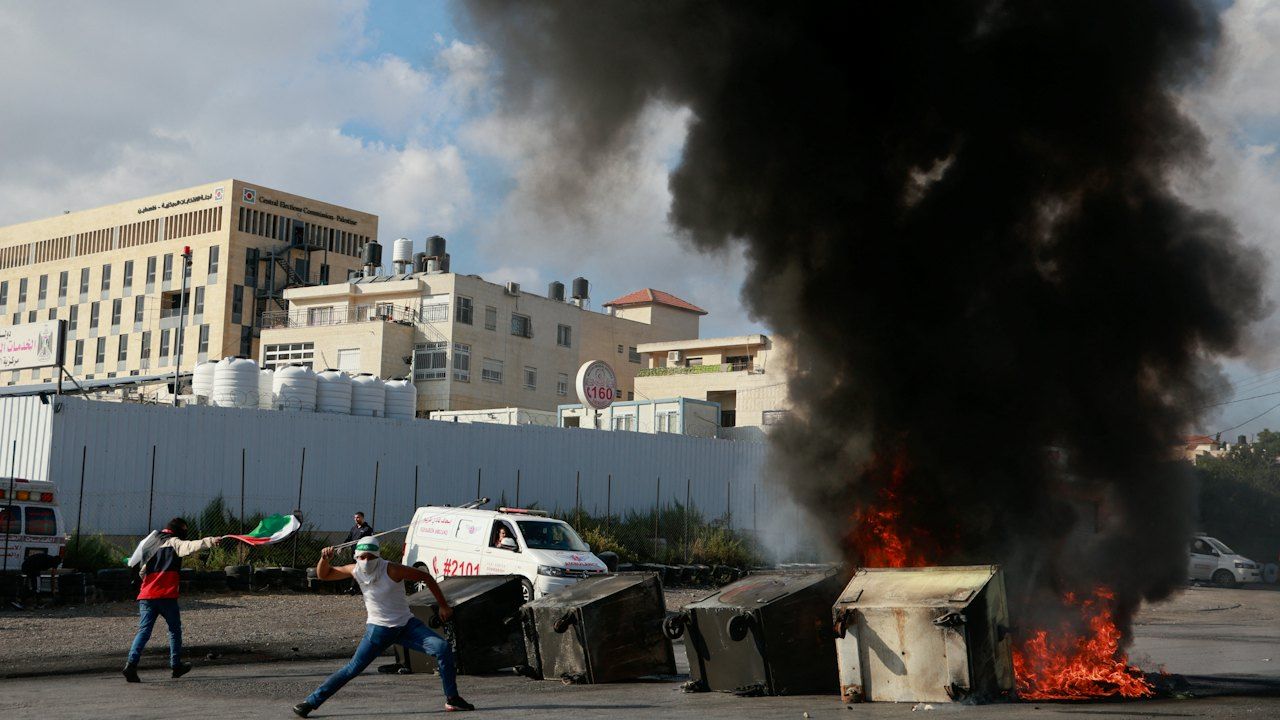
(147, 612)
(414, 636)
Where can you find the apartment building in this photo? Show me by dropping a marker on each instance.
(469, 343)
(114, 273)
(746, 375)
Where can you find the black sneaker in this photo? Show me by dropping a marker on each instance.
(303, 709)
(457, 703)
(181, 669)
(131, 673)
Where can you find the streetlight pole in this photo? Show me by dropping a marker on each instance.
(182, 321)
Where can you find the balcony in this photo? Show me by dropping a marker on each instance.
(695, 369)
(324, 317)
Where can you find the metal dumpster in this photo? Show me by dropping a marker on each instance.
(485, 631)
(764, 634)
(929, 634)
(605, 628)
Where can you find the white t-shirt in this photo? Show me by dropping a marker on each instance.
(384, 598)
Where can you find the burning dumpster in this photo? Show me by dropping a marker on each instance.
(926, 634)
(764, 634)
(486, 624)
(602, 629)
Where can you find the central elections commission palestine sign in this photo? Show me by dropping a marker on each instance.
(36, 345)
(597, 384)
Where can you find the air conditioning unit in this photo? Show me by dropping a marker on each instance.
(673, 356)
(513, 288)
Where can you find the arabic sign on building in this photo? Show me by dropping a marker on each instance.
(36, 345)
(597, 384)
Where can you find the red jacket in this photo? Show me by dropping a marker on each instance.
(160, 574)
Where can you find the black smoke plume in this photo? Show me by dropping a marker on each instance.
(958, 213)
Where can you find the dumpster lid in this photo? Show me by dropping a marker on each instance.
(590, 589)
(460, 589)
(916, 587)
(758, 590)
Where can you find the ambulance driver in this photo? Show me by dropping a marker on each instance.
(389, 622)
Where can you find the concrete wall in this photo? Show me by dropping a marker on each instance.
(198, 453)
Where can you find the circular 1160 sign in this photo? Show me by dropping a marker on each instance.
(597, 384)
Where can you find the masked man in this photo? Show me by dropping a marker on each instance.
(389, 621)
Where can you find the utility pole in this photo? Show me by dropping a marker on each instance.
(182, 320)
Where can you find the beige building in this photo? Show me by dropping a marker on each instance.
(745, 375)
(113, 273)
(470, 344)
(679, 415)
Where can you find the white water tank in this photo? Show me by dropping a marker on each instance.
(402, 251)
(235, 383)
(265, 380)
(368, 396)
(294, 386)
(333, 392)
(402, 399)
(202, 379)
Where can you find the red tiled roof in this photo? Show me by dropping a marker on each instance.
(1193, 440)
(649, 295)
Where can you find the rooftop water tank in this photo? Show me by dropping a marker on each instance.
(371, 254)
(420, 262)
(368, 396)
(294, 387)
(402, 251)
(235, 383)
(435, 246)
(555, 291)
(333, 392)
(580, 289)
(402, 399)
(265, 380)
(202, 379)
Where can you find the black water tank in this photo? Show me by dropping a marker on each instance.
(555, 290)
(580, 288)
(419, 262)
(444, 263)
(372, 254)
(435, 246)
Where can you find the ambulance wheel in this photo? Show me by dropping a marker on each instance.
(1224, 578)
(526, 590)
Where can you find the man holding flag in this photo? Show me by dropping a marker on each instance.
(390, 621)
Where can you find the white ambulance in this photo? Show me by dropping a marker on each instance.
(30, 515)
(450, 541)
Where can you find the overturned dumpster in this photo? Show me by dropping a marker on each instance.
(762, 635)
(485, 629)
(606, 628)
(929, 634)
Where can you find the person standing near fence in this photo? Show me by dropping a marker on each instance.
(361, 528)
(389, 621)
(158, 559)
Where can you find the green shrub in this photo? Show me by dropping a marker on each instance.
(601, 541)
(91, 553)
(719, 546)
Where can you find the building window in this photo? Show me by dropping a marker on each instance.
(623, 422)
(151, 271)
(237, 304)
(53, 313)
(79, 353)
(93, 316)
(491, 370)
(17, 319)
(632, 355)
(204, 340)
(167, 274)
(462, 362)
(139, 305)
(431, 361)
(106, 278)
(199, 304)
(562, 384)
(490, 317)
(115, 312)
(317, 316)
(63, 278)
(22, 289)
(349, 360)
(435, 309)
(773, 417)
(31, 317)
(84, 282)
(174, 303)
(73, 317)
(4, 292)
(164, 346)
(213, 259)
(564, 336)
(324, 274)
(128, 276)
(668, 422)
(463, 313)
(146, 348)
(521, 326)
(100, 356)
(274, 356)
(122, 351)
(728, 418)
(530, 378)
(44, 289)
(246, 341)
(619, 349)
(251, 267)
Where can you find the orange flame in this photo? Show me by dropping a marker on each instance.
(879, 535)
(1070, 666)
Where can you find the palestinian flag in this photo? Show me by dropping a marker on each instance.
(272, 529)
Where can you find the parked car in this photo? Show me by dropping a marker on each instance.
(1212, 561)
(30, 515)
(451, 541)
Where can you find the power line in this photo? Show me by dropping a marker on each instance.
(1246, 422)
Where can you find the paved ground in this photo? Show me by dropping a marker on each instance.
(1226, 641)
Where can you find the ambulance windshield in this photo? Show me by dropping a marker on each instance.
(550, 535)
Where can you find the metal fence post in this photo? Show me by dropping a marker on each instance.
(415, 488)
(478, 471)
(577, 498)
(151, 494)
(754, 528)
(688, 500)
(728, 503)
(657, 515)
(376, 467)
(302, 472)
(243, 529)
(517, 487)
(608, 503)
(84, 452)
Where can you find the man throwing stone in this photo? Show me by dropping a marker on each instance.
(389, 621)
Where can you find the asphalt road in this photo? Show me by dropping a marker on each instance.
(1227, 643)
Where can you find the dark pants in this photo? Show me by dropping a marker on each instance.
(147, 612)
(414, 635)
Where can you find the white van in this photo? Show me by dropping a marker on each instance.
(29, 511)
(1212, 561)
(451, 541)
